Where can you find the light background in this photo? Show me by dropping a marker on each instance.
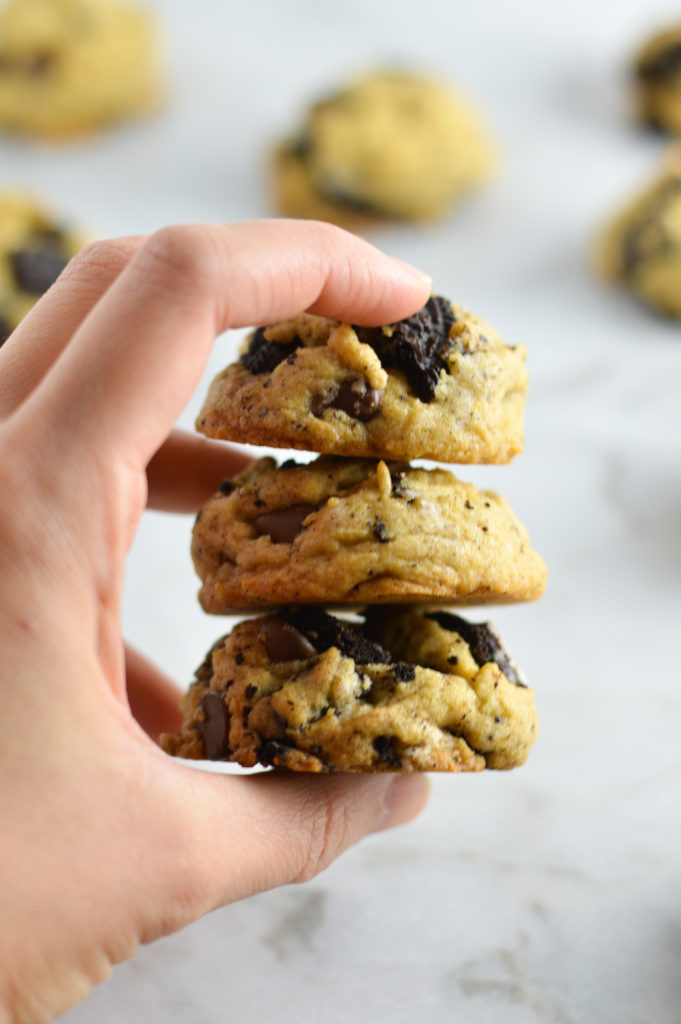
(550, 895)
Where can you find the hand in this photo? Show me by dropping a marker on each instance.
(105, 842)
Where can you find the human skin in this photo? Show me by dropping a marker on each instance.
(106, 842)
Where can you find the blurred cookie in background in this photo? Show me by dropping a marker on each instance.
(641, 247)
(657, 81)
(391, 145)
(34, 249)
(68, 67)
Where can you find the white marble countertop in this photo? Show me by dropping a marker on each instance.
(549, 895)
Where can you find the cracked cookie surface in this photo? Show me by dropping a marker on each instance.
(69, 66)
(34, 249)
(357, 531)
(439, 385)
(409, 690)
(390, 145)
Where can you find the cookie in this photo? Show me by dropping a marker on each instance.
(657, 81)
(390, 145)
(439, 385)
(641, 247)
(69, 66)
(306, 691)
(343, 531)
(34, 249)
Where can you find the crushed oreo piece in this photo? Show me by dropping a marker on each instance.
(380, 532)
(387, 752)
(36, 270)
(283, 642)
(416, 346)
(264, 356)
(483, 641)
(284, 524)
(404, 672)
(353, 396)
(214, 730)
(325, 631)
(661, 65)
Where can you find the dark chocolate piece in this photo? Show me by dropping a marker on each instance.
(415, 346)
(214, 730)
(264, 356)
(354, 397)
(284, 524)
(325, 631)
(661, 65)
(483, 642)
(283, 642)
(36, 269)
(386, 749)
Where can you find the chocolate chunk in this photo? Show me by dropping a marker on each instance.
(664, 64)
(5, 329)
(36, 269)
(264, 356)
(284, 524)
(415, 346)
(386, 749)
(353, 396)
(214, 730)
(380, 532)
(325, 631)
(283, 642)
(404, 672)
(483, 642)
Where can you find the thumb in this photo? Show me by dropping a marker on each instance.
(260, 831)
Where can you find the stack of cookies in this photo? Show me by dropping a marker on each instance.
(355, 664)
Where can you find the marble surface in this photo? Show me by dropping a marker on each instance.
(550, 895)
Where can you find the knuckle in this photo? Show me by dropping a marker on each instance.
(97, 260)
(184, 252)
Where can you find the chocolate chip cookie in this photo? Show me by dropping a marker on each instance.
(355, 531)
(657, 81)
(407, 689)
(69, 66)
(34, 249)
(438, 385)
(641, 247)
(391, 144)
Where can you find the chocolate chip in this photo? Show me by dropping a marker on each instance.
(664, 64)
(251, 692)
(264, 356)
(226, 487)
(284, 524)
(214, 730)
(483, 642)
(386, 749)
(325, 631)
(283, 642)
(380, 532)
(404, 672)
(36, 269)
(415, 346)
(353, 396)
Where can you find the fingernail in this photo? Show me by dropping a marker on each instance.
(414, 271)
(404, 798)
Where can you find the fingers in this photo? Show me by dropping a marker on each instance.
(187, 470)
(138, 355)
(45, 332)
(154, 700)
(275, 828)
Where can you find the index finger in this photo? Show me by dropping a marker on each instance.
(138, 356)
